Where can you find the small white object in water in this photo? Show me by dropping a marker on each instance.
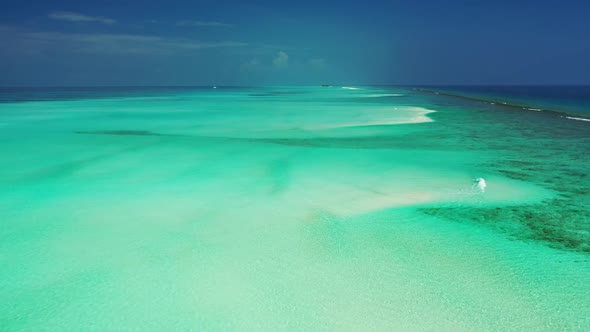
(480, 183)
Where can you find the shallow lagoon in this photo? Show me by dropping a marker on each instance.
(290, 208)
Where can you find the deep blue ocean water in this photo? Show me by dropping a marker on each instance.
(568, 99)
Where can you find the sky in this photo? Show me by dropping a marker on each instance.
(421, 42)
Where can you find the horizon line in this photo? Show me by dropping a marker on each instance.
(293, 85)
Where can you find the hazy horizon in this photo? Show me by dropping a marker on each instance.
(293, 85)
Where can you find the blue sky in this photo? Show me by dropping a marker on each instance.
(85, 43)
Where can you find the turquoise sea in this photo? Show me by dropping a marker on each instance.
(292, 208)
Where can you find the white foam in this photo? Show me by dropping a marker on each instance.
(535, 109)
(349, 88)
(480, 183)
(577, 119)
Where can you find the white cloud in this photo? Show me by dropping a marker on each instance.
(203, 24)
(281, 60)
(76, 17)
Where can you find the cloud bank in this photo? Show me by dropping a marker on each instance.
(213, 24)
(78, 18)
(108, 43)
